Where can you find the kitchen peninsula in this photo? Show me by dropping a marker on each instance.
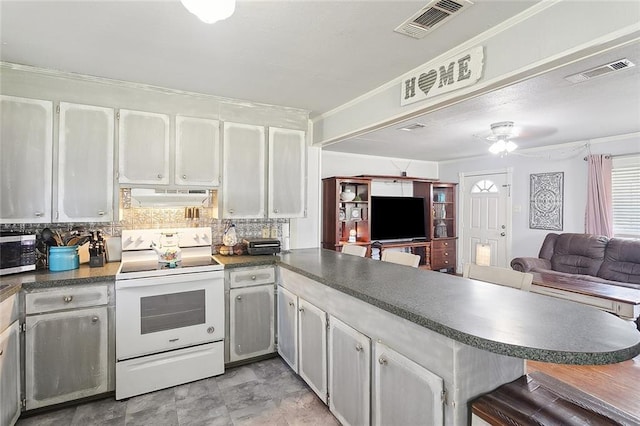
(468, 337)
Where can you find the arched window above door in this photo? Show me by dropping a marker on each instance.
(484, 186)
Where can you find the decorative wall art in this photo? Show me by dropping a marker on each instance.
(546, 201)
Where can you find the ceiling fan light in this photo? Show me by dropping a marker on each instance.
(497, 147)
(510, 146)
(209, 11)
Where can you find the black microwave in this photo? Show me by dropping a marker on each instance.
(17, 252)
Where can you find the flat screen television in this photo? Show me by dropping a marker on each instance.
(397, 218)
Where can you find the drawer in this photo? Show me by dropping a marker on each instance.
(65, 298)
(443, 245)
(248, 277)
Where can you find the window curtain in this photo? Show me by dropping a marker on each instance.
(599, 213)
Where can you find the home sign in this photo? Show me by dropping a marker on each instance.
(452, 74)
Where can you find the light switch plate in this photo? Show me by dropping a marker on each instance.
(274, 232)
(265, 232)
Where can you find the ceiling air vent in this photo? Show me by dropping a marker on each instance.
(412, 127)
(431, 16)
(601, 70)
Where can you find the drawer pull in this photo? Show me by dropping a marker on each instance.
(382, 361)
(1, 352)
(253, 277)
(301, 310)
(94, 319)
(359, 347)
(238, 297)
(67, 299)
(291, 304)
(446, 254)
(446, 261)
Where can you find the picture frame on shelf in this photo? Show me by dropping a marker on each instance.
(355, 213)
(342, 215)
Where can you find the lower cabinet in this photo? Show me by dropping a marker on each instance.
(66, 345)
(312, 346)
(252, 322)
(349, 373)
(288, 327)
(10, 375)
(405, 393)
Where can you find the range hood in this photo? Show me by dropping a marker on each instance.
(156, 197)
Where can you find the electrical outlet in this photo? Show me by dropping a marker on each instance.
(265, 232)
(274, 232)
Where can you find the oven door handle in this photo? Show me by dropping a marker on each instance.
(169, 279)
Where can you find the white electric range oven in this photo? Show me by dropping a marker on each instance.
(169, 317)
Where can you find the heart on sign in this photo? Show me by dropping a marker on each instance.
(427, 80)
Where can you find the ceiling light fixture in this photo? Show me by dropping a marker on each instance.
(209, 11)
(502, 133)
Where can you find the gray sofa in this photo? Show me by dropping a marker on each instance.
(613, 261)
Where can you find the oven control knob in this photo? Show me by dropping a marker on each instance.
(210, 330)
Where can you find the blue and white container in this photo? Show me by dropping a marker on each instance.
(63, 258)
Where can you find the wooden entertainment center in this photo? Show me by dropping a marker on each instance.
(346, 218)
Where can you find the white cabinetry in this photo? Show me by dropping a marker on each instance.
(197, 152)
(66, 344)
(26, 147)
(349, 374)
(288, 327)
(143, 143)
(85, 164)
(9, 362)
(312, 346)
(251, 313)
(245, 181)
(287, 176)
(405, 393)
(243, 174)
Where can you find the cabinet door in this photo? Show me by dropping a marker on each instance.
(404, 392)
(197, 151)
(66, 356)
(312, 342)
(85, 164)
(288, 327)
(143, 144)
(243, 174)
(10, 375)
(252, 322)
(26, 160)
(287, 175)
(349, 374)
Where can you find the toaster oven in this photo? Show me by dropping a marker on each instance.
(17, 252)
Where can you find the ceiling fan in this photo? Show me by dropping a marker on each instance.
(501, 134)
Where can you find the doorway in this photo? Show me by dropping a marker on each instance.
(486, 216)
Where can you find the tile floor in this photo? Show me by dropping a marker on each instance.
(262, 393)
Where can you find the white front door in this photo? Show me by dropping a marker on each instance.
(486, 203)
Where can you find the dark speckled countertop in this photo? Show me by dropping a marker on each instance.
(235, 261)
(487, 316)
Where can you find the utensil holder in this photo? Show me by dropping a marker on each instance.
(96, 261)
(63, 258)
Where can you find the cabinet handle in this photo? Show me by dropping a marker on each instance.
(184, 176)
(231, 211)
(67, 299)
(238, 297)
(502, 234)
(253, 277)
(301, 310)
(38, 214)
(276, 210)
(94, 319)
(1, 352)
(291, 304)
(382, 360)
(159, 176)
(100, 213)
(358, 347)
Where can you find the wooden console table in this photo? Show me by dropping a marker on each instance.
(421, 248)
(621, 301)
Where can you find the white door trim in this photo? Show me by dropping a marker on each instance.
(463, 198)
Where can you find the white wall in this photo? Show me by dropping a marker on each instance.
(343, 164)
(568, 159)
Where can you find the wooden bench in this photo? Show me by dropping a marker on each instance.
(539, 399)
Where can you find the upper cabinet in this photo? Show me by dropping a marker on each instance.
(84, 190)
(26, 127)
(143, 147)
(197, 152)
(287, 173)
(246, 183)
(243, 176)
